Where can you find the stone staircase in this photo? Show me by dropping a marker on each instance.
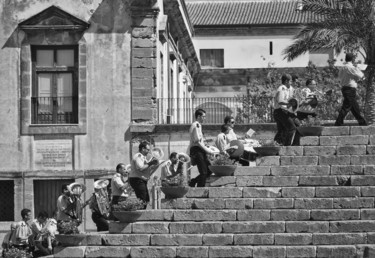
(313, 200)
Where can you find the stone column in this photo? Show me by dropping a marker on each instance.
(143, 61)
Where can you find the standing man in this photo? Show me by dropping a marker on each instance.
(99, 205)
(286, 128)
(140, 172)
(64, 205)
(119, 184)
(348, 76)
(198, 150)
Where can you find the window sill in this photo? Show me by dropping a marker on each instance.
(33, 129)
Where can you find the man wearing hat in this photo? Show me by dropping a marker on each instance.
(99, 205)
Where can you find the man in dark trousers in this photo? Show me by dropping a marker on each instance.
(348, 76)
(140, 172)
(285, 121)
(198, 150)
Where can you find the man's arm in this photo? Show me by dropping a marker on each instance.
(357, 73)
(142, 165)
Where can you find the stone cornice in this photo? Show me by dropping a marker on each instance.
(181, 30)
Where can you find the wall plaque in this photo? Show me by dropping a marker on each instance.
(53, 154)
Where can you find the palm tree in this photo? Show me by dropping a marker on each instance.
(341, 25)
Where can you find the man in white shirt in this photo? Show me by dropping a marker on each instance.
(170, 168)
(119, 184)
(198, 150)
(286, 128)
(348, 76)
(140, 172)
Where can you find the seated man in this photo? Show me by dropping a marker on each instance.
(171, 168)
(23, 232)
(42, 235)
(222, 142)
(10, 237)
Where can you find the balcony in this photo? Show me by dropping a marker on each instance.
(54, 110)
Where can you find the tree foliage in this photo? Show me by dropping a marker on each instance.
(344, 25)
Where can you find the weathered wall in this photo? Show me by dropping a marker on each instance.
(108, 83)
(251, 51)
(105, 69)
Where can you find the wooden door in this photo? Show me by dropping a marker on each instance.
(46, 193)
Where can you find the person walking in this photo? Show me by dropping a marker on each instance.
(286, 128)
(198, 150)
(348, 76)
(140, 172)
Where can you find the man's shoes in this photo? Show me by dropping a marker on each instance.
(192, 183)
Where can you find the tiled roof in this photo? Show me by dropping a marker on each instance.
(246, 12)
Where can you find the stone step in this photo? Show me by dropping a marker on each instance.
(315, 160)
(281, 192)
(268, 203)
(213, 251)
(347, 130)
(327, 150)
(304, 170)
(333, 140)
(257, 214)
(298, 180)
(235, 239)
(237, 227)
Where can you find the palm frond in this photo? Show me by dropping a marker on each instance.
(343, 24)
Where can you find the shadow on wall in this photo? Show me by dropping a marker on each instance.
(111, 16)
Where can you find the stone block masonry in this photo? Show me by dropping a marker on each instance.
(314, 200)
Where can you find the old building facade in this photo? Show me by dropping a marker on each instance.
(75, 76)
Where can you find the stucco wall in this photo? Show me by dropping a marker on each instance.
(107, 78)
(250, 51)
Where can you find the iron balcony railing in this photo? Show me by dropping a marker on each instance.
(54, 110)
(245, 109)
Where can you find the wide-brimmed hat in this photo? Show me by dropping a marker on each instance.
(184, 155)
(128, 167)
(102, 183)
(74, 185)
(157, 153)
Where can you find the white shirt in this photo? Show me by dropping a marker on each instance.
(168, 169)
(138, 162)
(281, 96)
(349, 74)
(231, 136)
(118, 186)
(221, 142)
(196, 135)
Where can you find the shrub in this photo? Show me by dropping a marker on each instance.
(16, 253)
(129, 205)
(68, 227)
(179, 180)
(223, 160)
